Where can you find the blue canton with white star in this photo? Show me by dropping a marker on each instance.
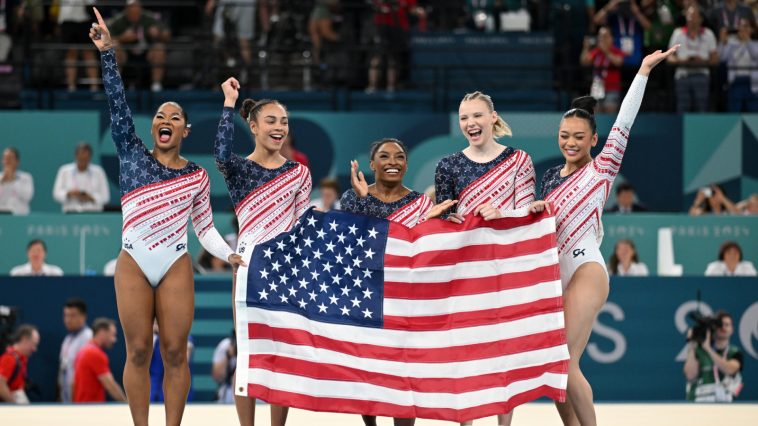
(372, 206)
(329, 267)
(137, 167)
(552, 179)
(242, 176)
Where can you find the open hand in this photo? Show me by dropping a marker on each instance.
(440, 208)
(358, 180)
(655, 58)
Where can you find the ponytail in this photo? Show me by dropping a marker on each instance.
(500, 128)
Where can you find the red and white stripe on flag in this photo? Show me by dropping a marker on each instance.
(473, 326)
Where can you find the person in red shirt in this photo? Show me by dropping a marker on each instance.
(92, 373)
(605, 60)
(13, 364)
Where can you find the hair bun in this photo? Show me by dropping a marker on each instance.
(586, 103)
(247, 106)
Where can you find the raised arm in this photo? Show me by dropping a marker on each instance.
(122, 125)
(609, 161)
(222, 148)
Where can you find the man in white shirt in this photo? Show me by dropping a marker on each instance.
(36, 251)
(697, 51)
(81, 186)
(16, 187)
(75, 321)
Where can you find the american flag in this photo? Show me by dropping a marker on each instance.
(354, 314)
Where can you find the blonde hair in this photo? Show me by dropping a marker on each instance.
(500, 128)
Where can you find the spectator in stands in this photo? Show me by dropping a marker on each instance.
(625, 200)
(13, 365)
(224, 365)
(141, 37)
(712, 200)
(628, 24)
(392, 22)
(741, 57)
(320, 27)
(661, 14)
(74, 24)
(329, 195)
(81, 186)
(289, 151)
(6, 43)
(748, 206)
(16, 187)
(725, 18)
(158, 372)
(92, 374)
(713, 366)
(605, 59)
(239, 17)
(36, 251)
(730, 263)
(210, 264)
(697, 52)
(75, 321)
(625, 262)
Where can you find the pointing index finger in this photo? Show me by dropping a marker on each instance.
(99, 17)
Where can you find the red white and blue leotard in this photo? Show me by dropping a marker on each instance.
(507, 181)
(579, 198)
(409, 210)
(156, 200)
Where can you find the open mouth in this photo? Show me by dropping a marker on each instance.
(571, 151)
(475, 134)
(392, 171)
(277, 137)
(164, 134)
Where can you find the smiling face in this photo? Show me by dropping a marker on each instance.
(575, 139)
(169, 126)
(270, 127)
(476, 121)
(389, 163)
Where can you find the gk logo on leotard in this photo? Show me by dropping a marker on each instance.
(242, 249)
(578, 252)
(128, 246)
(180, 247)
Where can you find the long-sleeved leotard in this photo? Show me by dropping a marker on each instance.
(267, 201)
(507, 181)
(579, 198)
(409, 210)
(156, 200)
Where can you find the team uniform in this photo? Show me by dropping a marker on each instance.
(156, 200)
(409, 210)
(580, 197)
(507, 181)
(267, 202)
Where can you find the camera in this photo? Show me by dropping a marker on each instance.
(703, 323)
(707, 191)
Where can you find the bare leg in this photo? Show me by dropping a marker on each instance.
(157, 59)
(71, 70)
(279, 415)
(373, 72)
(175, 308)
(404, 422)
(369, 420)
(505, 419)
(566, 411)
(89, 57)
(136, 308)
(391, 76)
(245, 406)
(585, 295)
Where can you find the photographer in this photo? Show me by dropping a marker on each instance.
(712, 200)
(224, 366)
(713, 366)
